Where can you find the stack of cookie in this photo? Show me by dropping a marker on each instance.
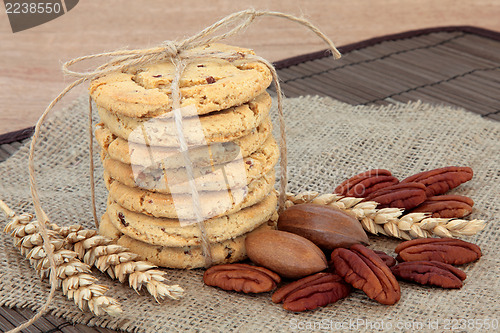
(227, 127)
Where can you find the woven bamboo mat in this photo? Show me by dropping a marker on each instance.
(458, 66)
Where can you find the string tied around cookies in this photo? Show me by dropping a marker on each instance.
(167, 50)
(180, 53)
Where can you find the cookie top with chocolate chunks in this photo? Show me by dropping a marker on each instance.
(209, 84)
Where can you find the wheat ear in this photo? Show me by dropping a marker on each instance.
(117, 261)
(390, 221)
(73, 276)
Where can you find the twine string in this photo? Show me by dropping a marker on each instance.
(91, 165)
(183, 147)
(281, 122)
(182, 52)
(40, 214)
(123, 59)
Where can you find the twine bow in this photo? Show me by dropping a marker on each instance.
(180, 53)
(169, 50)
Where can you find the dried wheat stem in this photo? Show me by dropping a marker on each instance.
(117, 261)
(390, 221)
(72, 275)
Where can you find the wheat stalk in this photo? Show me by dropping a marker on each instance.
(72, 275)
(390, 221)
(117, 261)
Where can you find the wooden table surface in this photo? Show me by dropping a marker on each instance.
(30, 60)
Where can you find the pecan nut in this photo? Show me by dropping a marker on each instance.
(448, 250)
(312, 292)
(365, 183)
(389, 260)
(290, 255)
(446, 206)
(363, 269)
(242, 278)
(405, 196)
(325, 226)
(439, 181)
(433, 273)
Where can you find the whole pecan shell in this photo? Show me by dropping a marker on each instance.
(312, 292)
(389, 260)
(447, 250)
(327, 227)
(242, 278)
(365, 183)
(364, 269)
(290, 255)
(433, 273)
(439, 181)
(446, 206)
(405, 196)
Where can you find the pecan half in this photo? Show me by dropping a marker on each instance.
(446, 206)
(242, 278)
(389, 260)
(405, 196)
(365, 183)
(439, 181)
(447, 250)
(433, 273)
(363, 269)
(312, 292)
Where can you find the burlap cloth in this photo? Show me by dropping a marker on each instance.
(328, 141)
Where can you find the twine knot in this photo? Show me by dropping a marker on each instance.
(234, 23)
(170, 49)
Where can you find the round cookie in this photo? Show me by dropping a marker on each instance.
(169, 232)
(214, 204)
(216, 153)
(237, 174)
(207, 84)
(186, 257)
(222, 126)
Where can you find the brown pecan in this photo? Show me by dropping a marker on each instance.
(365, 183)
(290, 255)
(405, 196)
(446, 206)
(389, 260)
(433, 273)
(447, 250)
(363, 269)
(327, 227)
(241, 277)
(439, 181)
(312, 292)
